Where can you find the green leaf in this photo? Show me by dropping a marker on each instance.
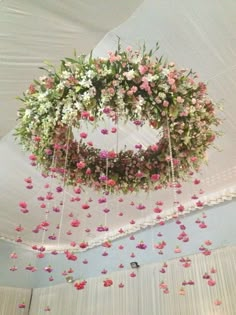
(90, 56)
(45, 69)
(20, 99)
(37, 82)
(174, 112)
(72, 60)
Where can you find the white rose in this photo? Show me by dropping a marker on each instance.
(129, 75)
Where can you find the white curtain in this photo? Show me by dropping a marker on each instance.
(142, 295)
(10, 298)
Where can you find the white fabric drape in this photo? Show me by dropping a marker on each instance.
(142, 295)
(10, 298)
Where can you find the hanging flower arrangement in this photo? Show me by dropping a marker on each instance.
(128, 85)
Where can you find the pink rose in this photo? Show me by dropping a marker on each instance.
(83, 135)
(143, 69)
(111, 154)
(85, 115)
(81, 165)
(154, 147)
(155, 177)
(111, 182)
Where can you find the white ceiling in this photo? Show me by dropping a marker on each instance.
(198, 35)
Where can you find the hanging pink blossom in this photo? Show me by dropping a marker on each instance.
(44, 225)
(83, 245)
(14, 268)
(211, 282)
(49, 196)
(206, 252)
(19, 228)
(206, 276)
(157, 210)
(70, 256)
(85, 206)
(48, 269)
(29, 267)
(104, 271)
(77, 190)
(217, 302)
(83, 135)
(182, 291)
(102, 200)
(75, 223)
(13, 255)
(40, 255)
(199, 204)
(52, 237)
(113, 130)
(160, 245)
(202, 225)
(177, 250)
(141, 245)
(107, 244)
(104, 131)
(23, 204)
(18, 240)
(121, 231)
(107, 283)
(141, 207)
(24, 210)
(102, 228)
(138, 146)
(80, 285)
(21, 305)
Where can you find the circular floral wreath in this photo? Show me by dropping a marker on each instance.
(129, 85)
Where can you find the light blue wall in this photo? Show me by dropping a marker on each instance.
(221, 230)
(20, 278)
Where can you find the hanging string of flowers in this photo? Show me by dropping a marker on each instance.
(128, 85)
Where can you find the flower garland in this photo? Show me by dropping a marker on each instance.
(128, 85)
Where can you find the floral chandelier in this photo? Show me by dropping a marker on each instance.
(128, 85)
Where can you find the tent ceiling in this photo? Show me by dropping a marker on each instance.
(198, 35)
